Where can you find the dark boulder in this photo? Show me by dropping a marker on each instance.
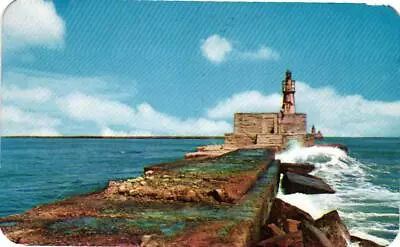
(300, 168)
(281, 212)
(307, 184)
(314, 237)
(292, 239)
(291, 225)
(276, 231)
(334, 229)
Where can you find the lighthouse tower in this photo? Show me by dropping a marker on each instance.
(288, 90)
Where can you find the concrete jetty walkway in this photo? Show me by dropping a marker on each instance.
(220, 201)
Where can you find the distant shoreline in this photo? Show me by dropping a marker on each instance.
(120, 137)
(165, 137)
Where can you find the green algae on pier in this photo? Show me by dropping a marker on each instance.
(119, 218)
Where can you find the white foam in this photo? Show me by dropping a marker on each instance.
(351, 181)
(4, 241)
(305, 203)
(396, 241)
(366, 236)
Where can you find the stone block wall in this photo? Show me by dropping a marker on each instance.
(255, 123)
(293, 124)
(267, 129)
(239, 140)
(269, 140)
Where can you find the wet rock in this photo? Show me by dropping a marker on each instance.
(154, 243)
(291, 225)
(122, 189)
(307, 184)
(148, 241)
(192, 196)
(133, 192)
(184, 195)
(293, 239)
(134, 180)
(167, 195)
(282, 211)
(312, 236)
(300, 168)
(220, 192)
(112, 183)
(276, 231)
(334, 229)
(112, 187)
(149, 172)
(220, 195)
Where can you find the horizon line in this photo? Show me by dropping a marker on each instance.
(114, 137)
(157, 136)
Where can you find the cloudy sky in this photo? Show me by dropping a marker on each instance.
(183, 68)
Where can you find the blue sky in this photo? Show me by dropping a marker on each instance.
(164, 68)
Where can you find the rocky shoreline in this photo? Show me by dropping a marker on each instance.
(217, 200)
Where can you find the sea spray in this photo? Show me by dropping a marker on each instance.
(363, 206)
(363, 235)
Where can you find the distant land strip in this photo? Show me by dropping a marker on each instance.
(120, 137)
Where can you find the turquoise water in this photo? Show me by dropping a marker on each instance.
(37, 170)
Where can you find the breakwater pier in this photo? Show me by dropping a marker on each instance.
(228, 200)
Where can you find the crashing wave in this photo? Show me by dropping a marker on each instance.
(351, 180)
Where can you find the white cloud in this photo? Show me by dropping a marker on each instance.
(263, 53)
(148, 118)
(32, 22)
(32, 95)
(218, 49)
(83, 107)
(18, 122)
(347, 115)
(215, 48)
(243, 102)
(334, 114)
(61, 84)
(142, 119)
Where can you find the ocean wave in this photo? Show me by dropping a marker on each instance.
(356, 197)
(362, 215)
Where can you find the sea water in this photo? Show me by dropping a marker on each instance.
(39, 170)
(366, 181)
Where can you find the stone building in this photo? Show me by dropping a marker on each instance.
(273, 130)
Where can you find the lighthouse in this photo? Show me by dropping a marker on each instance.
(270, 129)
(288, 90)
